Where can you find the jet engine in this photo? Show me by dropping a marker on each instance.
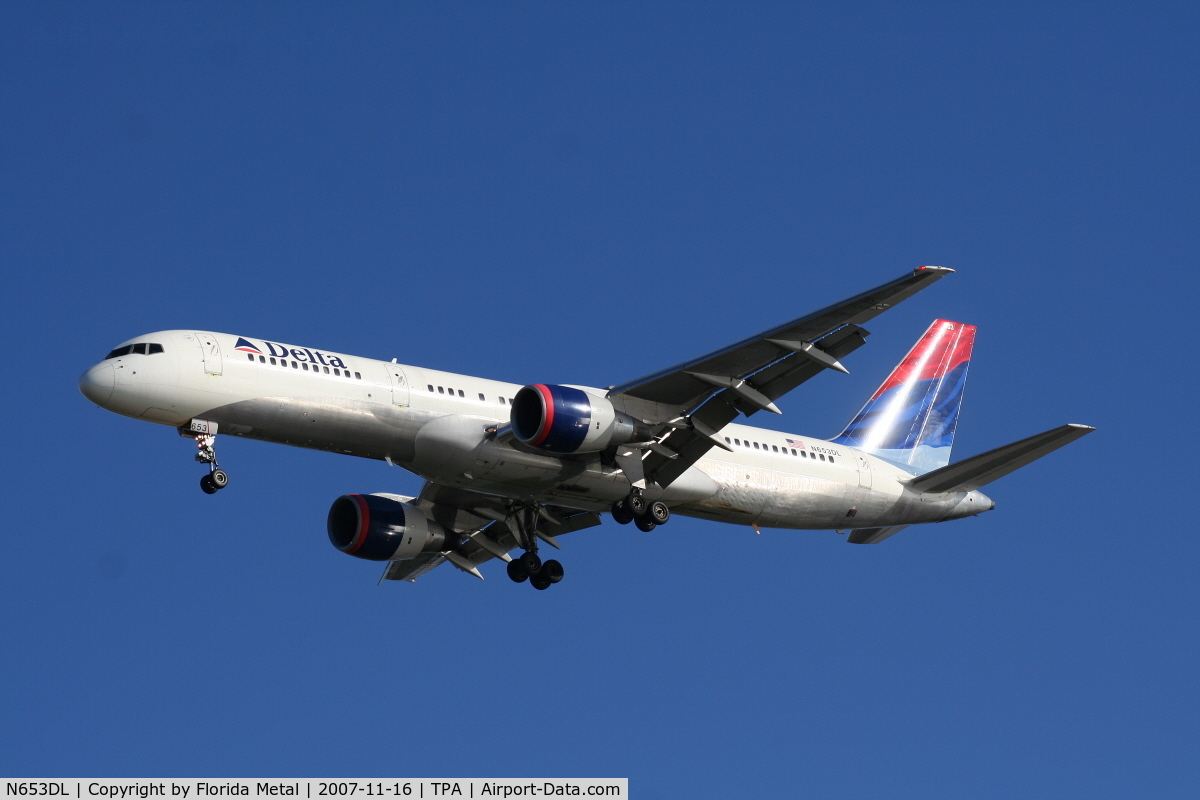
(563, 419)
(378, 528)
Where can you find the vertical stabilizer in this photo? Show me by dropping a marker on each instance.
(910, 420)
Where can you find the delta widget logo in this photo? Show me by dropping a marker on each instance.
(297, 353)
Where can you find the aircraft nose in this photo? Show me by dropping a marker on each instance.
(98, 382)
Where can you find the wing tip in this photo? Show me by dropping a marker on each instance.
(938, 270)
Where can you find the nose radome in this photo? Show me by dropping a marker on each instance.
(98, 382)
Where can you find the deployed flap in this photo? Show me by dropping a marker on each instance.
(464, 511)
(873, 535)
(691, 443)
(982, 469)
(679, 387)
(411, 568)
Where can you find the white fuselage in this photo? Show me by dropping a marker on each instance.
(441, 426)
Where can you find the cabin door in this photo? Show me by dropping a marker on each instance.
(212, 353)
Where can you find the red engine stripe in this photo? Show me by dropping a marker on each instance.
(548, 413)
(364, 522)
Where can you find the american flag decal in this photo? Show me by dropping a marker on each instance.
(795, 443)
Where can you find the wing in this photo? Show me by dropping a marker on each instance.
(697, 398)
(485, 522)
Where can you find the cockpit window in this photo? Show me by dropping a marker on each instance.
(143, 348)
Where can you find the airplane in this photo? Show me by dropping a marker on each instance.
(510, 467)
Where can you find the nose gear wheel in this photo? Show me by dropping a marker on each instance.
(206, 453)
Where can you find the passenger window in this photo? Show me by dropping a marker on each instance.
(803, 454)
(326, 370)
(501, 401)
(273, 362)
(756, 445)
(295, 365)
(738, 442)
(250, 356)
(726, 440)
(431, 387)
(510, 400)
(357, 376)
(831, 459)
(774, 449)
(481, 395)
(821, 456)
(793, 452)
(441, 390)
(155, 348)
(262, 359)
(460, 393)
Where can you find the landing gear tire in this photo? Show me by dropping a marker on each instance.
(658, 512)
(540, 582)
(531, 563)
(206, 483)
(517, 572)
(645, 523)
(636, 503)
(552, 571)
(621, 513)
(219, 478)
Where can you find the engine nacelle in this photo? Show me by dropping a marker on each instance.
(379, 528)
(563, 419)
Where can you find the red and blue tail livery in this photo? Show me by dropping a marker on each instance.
(910, 420)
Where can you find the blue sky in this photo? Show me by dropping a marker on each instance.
(585, 193)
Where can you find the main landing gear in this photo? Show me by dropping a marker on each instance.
(530, 567)
(206, 453)
(636, 509)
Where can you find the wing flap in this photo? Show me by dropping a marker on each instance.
(412, 568)
(723, 408)
(479, 516)
(873, 535)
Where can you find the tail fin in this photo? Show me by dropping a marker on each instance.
(910, 420)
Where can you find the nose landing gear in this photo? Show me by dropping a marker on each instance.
(205, 435)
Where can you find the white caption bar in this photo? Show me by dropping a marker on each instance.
(387, 788)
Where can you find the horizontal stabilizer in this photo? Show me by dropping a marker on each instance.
(873, 535)
(982, 469)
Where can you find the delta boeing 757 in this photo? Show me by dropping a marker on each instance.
(508, 467)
